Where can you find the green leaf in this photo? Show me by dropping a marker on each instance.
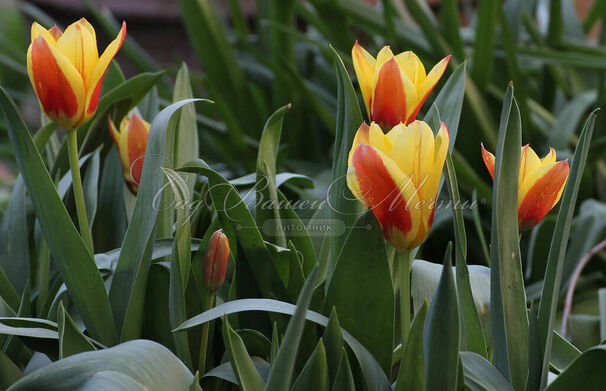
(265, 188)
(29, 327)
(563, 353)
(559, 241)
(9, 372)
(71, 339)
(411, 375)
(91, 186)
(374, 376)
(143, 363)
(248, 376)
(441, 333)
(226, 372)
(75, 263)
(508, 316)
(472, 333)
(585, 373)
(568, 119)
(283, 366)
(299, 235)
(449, 24)
(314, 375)
(483, 53)
(344, 206)
(333, 341)
(232, 209)
(127, 292)
(343, 380)
(481, 375)
(361, 289)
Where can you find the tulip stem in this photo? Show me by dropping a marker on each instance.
(204, 338)
(405, 258)
(72, 151)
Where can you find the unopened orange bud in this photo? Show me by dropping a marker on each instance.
(215, 262)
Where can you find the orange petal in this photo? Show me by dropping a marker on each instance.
(389, 96)
(427, 86)
(57, 83)
(488, 160)
(540, 192)
(364, 65)
(96, 78)
(380, 185)
(137, 133)
(55, 32)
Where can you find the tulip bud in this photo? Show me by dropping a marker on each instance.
(66, 70)
(215, 262)
(131, 141)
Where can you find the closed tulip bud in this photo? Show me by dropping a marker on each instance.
(394, 87)
(66, 71)
(131, 141)
(215, 262)
(397, 176)
(540, 184)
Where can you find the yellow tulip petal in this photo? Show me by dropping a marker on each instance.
(384, 55)
(377, 139)
(80, 47)
(550, 157)
(425, 88)
(38, 30)
(414, 151)
(411, 66)
(360, 137)
(364, 65)
(96, 77)
(529, 161)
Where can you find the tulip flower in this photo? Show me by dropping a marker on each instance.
(394, 87)
(397, 175)
(215, 262)
(131, 141)
(66, 71)
(540, 184)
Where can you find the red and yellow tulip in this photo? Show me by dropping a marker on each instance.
(394, 87)
(540, 184)
(397, 176)
(66, 71)
(131, 141)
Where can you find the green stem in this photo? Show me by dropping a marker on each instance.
(405, 258)
(72, 151)
(204, 338)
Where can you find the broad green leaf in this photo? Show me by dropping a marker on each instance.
(585, 373)
(563, 353)
(374, 376)
(265, 188)
(361, 289)
(127, 292)
(248, 376)
(344, 206)
(568, 119)
(29, 327)
(411, 375)
(508, 316)
(314, 375)
(91, 186)
(75, 263)
(156, 325)
(299, 234)
(481, 375)
(281, 372)
(71, 339)
(226, 372)
(146, 364)
(559, 241)
(441, 333)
